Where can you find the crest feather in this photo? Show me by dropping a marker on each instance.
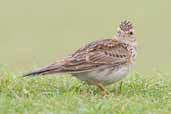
(126, 25)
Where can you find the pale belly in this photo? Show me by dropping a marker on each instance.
(104, 75)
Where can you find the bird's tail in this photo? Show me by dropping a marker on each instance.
(51, 69)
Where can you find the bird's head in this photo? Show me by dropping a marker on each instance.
(125, 32)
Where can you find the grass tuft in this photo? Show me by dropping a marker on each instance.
(66, 95)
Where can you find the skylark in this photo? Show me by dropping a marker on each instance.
(100, 62)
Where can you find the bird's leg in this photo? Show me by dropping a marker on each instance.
(101, 86)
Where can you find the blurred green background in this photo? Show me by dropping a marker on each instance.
(34, 33)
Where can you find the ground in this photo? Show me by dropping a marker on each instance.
(137, 94)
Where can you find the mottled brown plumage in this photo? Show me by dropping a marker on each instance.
(104, 61)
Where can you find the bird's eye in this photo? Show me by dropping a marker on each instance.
(131, 33)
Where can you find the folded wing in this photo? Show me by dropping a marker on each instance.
(88, 58)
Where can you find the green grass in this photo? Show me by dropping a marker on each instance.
(34, 33)
(66, 95)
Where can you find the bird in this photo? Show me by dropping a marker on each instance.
(100, 62)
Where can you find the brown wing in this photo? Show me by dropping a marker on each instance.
(93, 55)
